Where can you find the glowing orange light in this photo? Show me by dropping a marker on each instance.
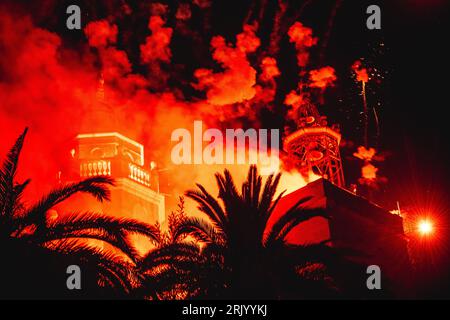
(425, 227)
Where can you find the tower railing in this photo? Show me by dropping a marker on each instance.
(119, 168)
(315, 146)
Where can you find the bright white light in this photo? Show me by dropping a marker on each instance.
(425, 227)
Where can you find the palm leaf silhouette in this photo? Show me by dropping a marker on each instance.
(68, 235)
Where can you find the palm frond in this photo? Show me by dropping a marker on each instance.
(111, 269)
(98, 227)
(7, 175)
(12, 209)
(95, 186)
(199, 229)
(182, 270)
(266, 203)
(168, 255)
(228, 194)
(209, 205)
(118, 240)
(171, 270)
(251, 188)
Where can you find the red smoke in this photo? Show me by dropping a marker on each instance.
(303, 39)
(53, 91)
(101, 33)
(52, 88)
(183, 12)
(322, 78)
(361, 73)
(293, 99)
(236, 83)
(269, 69)
(369, 172)
(44, 87)
(267, 89)
(156, 47)
(365, 154)
(115, 65)
(156, 50)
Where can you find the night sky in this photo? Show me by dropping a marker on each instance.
(417, 131)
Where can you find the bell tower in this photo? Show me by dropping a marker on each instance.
(102, 151)
(112, 154)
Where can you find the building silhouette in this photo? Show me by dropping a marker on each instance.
(352, 222)
(373, 235)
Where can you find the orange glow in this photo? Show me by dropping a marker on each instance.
(156, 47)
(52, 214)
(425, 227)
(303, 39)
(101, 33)
(55, 90)
(293, 180)
(294, 99)
(361, 73)
(369, 172)
(322, 78)
(237, 82)
(364, 154)
(269, 69)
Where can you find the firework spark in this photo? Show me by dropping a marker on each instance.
(362, 76)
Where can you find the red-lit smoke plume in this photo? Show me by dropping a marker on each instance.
(365, 154)
(53, 90)
(322, 78)
(236, 83)
(362, 76)
(360, 72)
(368, 172)
(294, 99)
(269, 69)
(101, 33)
(303, 39)
(267, 87)
(156, 47)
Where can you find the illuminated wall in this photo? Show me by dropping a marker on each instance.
(135, 194)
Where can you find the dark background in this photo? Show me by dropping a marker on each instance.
(418, 124)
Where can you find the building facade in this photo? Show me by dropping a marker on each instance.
(135, 194)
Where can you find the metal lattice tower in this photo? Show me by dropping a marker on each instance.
(315, 147)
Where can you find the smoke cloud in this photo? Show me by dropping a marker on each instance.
(236, 83)
(303, 39)
(53, 88)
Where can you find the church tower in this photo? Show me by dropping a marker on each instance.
(102, 151)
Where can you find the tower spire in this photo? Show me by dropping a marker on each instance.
(101, 89)
(102, 116)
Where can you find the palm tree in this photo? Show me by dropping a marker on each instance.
(166, 269)
(68, 234)
(239, 257)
